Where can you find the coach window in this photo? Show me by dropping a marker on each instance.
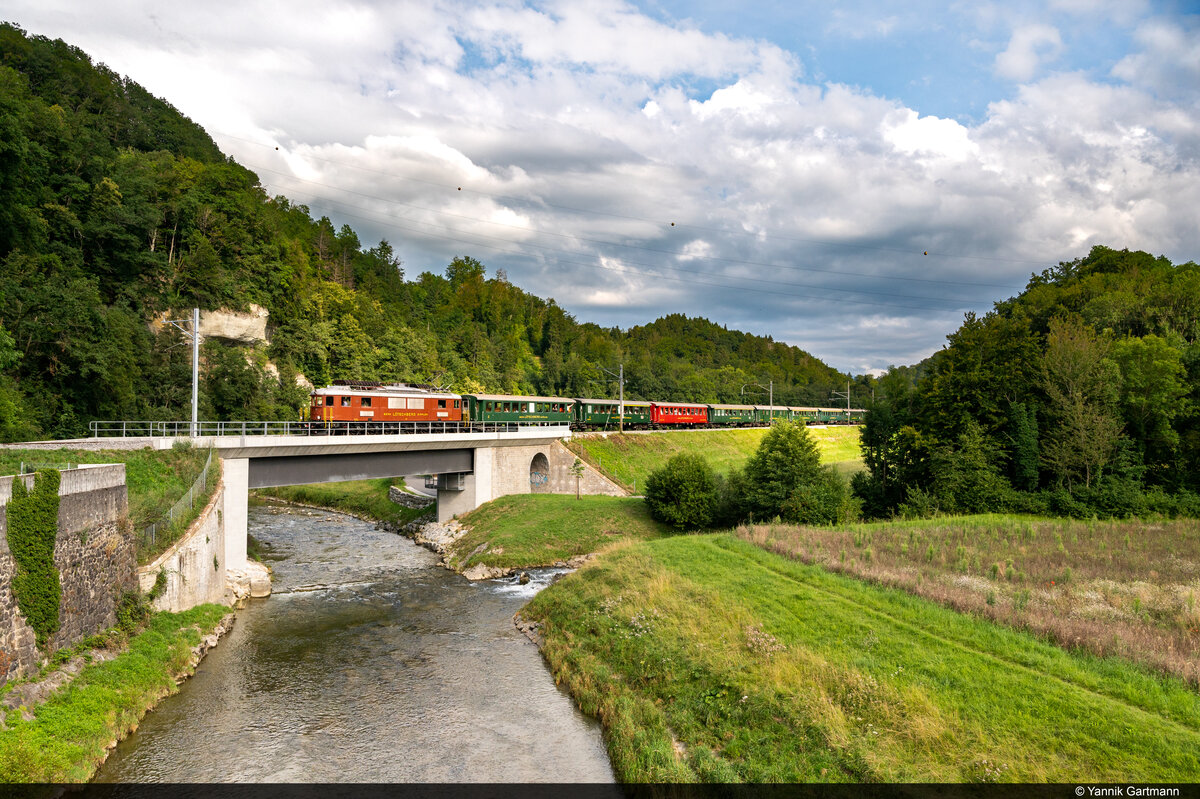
(366, 402)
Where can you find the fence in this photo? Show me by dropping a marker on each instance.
(186, 504)
(220, 429)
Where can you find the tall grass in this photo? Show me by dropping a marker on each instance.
(707, 658)
(1127, 587)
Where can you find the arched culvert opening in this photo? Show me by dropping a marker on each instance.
(539, 474)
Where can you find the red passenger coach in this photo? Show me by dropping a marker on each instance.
(375, 402)
(678, 413)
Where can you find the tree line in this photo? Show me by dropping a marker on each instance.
(1079, 397)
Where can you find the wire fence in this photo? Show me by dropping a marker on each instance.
(185, 505)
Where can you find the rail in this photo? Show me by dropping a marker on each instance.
(150, 429)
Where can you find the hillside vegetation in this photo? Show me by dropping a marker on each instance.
(116, 209)
(1079, 397)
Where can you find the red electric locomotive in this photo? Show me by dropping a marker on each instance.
(354, 401)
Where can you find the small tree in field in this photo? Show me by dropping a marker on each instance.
(577, 470)
(683, 493)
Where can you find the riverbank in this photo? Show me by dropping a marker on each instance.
(363, 499)
(708, 658)
(66, 737)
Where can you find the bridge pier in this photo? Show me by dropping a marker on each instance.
(476, 488)
(235, 472)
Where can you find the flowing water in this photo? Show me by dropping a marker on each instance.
(370, 663)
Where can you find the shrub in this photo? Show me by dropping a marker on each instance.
(683, 493)
(825, 500)
(32, 533)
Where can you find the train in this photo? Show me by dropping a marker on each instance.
(380, 405)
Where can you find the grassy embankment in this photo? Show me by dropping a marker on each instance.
(366, 499)
(155, 480)
(1127, 587)
(542, 529)
(629, 459)
(67, 738)
(709, 658)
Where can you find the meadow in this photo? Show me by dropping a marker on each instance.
(1122, 587)
(708, 658)
(628, 459)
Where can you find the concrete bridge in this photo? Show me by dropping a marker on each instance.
(473, 463)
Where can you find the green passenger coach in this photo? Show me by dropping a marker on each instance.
(605, 413)
(507, 408)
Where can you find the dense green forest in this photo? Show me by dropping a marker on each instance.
(1080, 396)
(115, 209)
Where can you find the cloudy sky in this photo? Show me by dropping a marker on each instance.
(847, 177)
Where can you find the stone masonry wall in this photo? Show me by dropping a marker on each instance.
(94, 553)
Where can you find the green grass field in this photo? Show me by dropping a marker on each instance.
(709, 658)
(629, 459)
(542, 529)
(365, 498)
(66, 739)
(1126, 587)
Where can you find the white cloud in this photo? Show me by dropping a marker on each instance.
(1030, 47)
(578, 134)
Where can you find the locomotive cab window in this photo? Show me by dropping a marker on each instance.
(441, 403)
(345, 402)
(366, 402)
(329, 400)
(456, 403)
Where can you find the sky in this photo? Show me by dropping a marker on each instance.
(851, 178)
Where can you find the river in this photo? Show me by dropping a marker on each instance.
(369, 663)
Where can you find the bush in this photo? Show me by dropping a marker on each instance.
(786, 459)
(683, 493)
(823, 501)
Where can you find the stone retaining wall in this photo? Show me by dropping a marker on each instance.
(401, 497)
(95, 553)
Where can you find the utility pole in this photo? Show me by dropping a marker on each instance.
(194, 335)
(846, 394)
(620, 375)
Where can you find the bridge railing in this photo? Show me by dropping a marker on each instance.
(152, 429)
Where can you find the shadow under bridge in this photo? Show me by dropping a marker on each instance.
(283, 470)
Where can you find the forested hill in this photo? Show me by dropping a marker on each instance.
(1080, 396)
(115, 209)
